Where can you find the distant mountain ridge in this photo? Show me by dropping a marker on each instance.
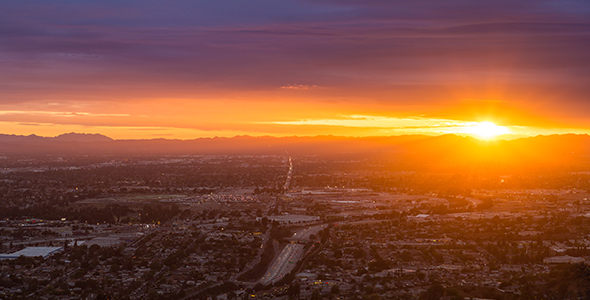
(82, 137)
(448, 150)
(69, 137)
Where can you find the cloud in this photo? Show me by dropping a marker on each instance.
(298, 87)
(78, 55)
(59, 113)
(380, 122)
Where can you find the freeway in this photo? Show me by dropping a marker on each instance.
(291, 254)
(283, 263)
(305, 233)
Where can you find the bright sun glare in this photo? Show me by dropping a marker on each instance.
(487, 130)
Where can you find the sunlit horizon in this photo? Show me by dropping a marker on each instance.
(349, 126)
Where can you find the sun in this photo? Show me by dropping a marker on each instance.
(487, 130)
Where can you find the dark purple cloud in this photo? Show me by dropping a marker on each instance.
(415, 50)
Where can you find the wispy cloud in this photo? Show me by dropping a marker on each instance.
(298, 87)
(59, 113)
(380, 122)
(30, 124)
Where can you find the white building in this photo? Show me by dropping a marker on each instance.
(31, 252)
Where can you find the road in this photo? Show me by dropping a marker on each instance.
(289, 175)
(283, 263)
(291, 254)
(305, 233)
(53, 282)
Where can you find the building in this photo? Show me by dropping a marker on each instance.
(31, 252)
(563, 260)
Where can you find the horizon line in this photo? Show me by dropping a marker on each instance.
(495, 139)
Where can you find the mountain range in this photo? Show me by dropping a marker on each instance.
(569, 149)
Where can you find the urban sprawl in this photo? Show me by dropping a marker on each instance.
(251, 227)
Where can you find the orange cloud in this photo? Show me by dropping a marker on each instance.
(298, 87)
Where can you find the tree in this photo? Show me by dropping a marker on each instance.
(486, 203)
(434, 292)
(420, 275)
(335, 290)
(231, 295)
(258, 287)
(359, 253)
(294, 290)
(406, 255)
(316, 295)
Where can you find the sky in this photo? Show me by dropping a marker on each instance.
(188, 69)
